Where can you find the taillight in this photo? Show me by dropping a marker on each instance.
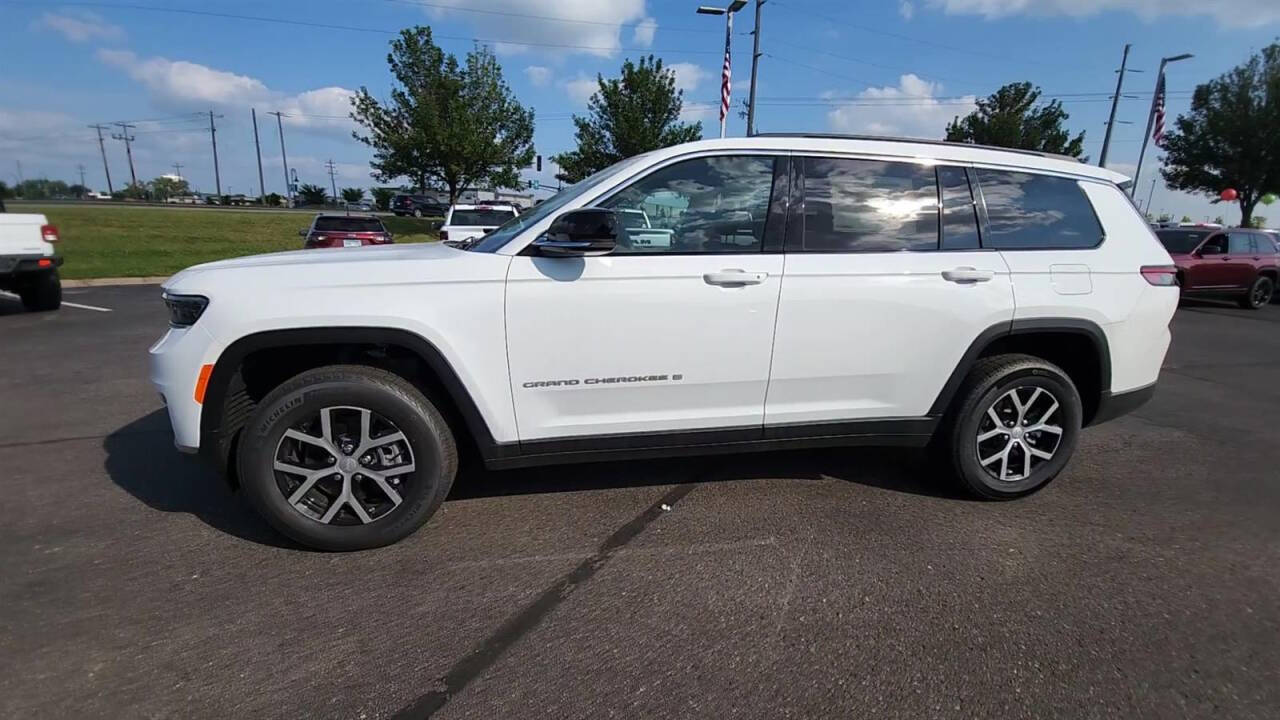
(444, 234)
(1161, 275)
(49, 233)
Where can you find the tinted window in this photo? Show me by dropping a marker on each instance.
(869, 206)
(1240, 243)
(1273, 247)
(1035, 212)
(959, 214)
(1217, 243)
(349, 224)
(705, 205)
(1181, 241)
(486, 218)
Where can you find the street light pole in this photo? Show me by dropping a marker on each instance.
(1151, 115)
(725, 93)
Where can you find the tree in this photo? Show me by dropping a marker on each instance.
(163, 187)
(312, 194)
(1164, 218)
(1259, 222)
(5, 190)
(41, 189)
(78, 190)
(352, 194)
(445, 124)
(627, 115)
(382, 197)
(273, 199)
(1227, 140)
(134, 191)
(1186, 218)
(1219, 221)
(1010, 118)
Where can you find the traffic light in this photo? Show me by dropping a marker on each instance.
(539, 163)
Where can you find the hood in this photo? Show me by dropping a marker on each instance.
(371, 265)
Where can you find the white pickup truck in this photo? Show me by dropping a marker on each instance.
(28, 265)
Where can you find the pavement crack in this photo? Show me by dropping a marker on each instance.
(475, 663)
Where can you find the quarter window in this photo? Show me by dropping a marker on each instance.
(869, 206)
(704, 205)
(1026, 211)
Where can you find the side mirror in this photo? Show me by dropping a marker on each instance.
(581, 232)
(1210, 250)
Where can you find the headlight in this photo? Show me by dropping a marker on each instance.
(185, 310)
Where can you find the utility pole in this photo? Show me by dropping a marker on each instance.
(102, 147)
(20, 178)
(1151, 194)
(80, 167)
(1115, 102)
(755, 63)
(128, 149)
(283, 160)
(257, 148)
(177, 170)
(332, 183)
(213, 137)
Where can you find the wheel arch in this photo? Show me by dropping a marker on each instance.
(231, 396)
(1076, 345)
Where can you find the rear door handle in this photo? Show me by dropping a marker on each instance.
(967, 275)
(734, 277)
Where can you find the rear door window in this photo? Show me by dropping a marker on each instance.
(1240, 243)
(1027, 211)
(349, 224)
(959, 213)
(860, 206)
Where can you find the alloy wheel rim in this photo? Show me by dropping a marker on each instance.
(344, 465)
(1018, 433)
(1261, 294)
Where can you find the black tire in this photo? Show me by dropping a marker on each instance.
(1258, 294)
(417, 212)
(991, 380)
(41, 293)
(387, 395)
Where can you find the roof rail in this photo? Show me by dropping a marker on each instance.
(919, 141)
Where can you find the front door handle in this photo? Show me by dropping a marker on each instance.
(966, 275)
(734, 278)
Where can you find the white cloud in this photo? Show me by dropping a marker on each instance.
(581, 88)
(599, 34)
(538, 75)
(182, 84)
(906, 10)
(912, 108)
(79, 26)
(688, 76)
(1230, 13)
(644, 32)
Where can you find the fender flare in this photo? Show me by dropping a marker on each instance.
(1075, 326)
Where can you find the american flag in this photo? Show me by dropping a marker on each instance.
(1158, 134)
(724, 80)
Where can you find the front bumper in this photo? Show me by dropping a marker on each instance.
(176, 360)
(1113, 405)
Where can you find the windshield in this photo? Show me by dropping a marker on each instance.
(482, 216)
(349, 224)
(504, 234)
(1181, 241)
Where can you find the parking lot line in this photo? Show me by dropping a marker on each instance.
(86, 307)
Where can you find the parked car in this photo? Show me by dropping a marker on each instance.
(336, 231)
(418, 206)
(988, 303)
(28, 263)
(360, 206)
(464, 223)
(1239, 263)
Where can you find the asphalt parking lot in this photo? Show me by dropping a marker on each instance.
(1144, 582)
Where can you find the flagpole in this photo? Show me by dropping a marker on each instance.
(1151, 116)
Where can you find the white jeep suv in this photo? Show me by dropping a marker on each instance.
(815, 291)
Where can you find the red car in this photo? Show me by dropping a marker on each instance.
(336, 231)
(1233, 262)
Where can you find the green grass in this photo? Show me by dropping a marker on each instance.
(117, 241)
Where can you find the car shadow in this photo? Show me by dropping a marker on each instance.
(142, 461)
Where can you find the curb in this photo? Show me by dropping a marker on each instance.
(103, 282)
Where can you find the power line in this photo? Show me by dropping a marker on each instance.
(549, 18)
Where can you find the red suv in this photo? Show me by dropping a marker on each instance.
(335, 231)
(1214, 261)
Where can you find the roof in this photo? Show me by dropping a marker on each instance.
(923, 149)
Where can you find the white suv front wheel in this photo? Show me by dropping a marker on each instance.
(1015, 427)
(346, 457)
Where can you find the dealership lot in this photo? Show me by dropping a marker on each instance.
(1144, 582)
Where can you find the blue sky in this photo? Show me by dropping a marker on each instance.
(889, 67)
